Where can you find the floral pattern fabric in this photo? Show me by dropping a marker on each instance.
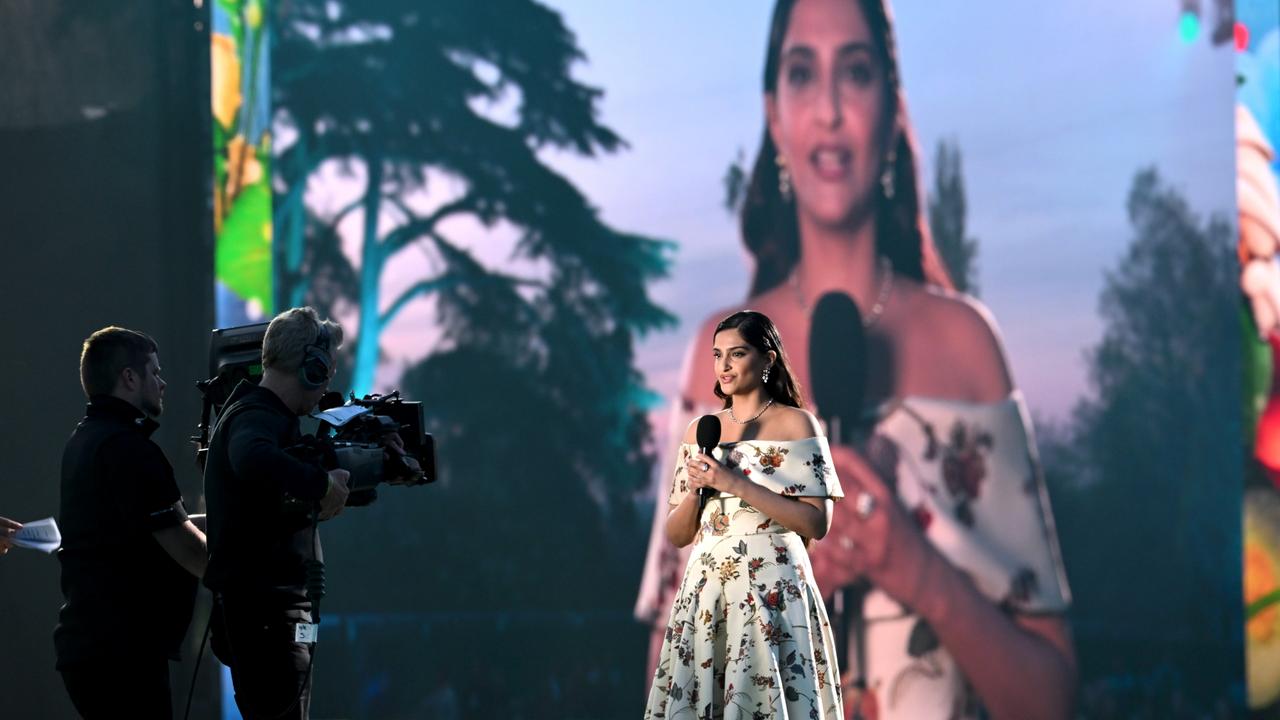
(969, 475)
(748, 635)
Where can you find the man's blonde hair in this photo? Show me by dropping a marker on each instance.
(290, 333)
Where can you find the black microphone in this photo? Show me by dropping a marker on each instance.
(837, 372)
(838, 364)
(708, 434)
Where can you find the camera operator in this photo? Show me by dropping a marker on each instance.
(130, 555)
(258, 546)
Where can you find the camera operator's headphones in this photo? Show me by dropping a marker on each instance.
(316, 363)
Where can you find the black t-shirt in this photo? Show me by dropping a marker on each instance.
(123, 592)
(257, 545)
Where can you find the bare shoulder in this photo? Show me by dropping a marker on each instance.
(790, 423)
(967, 329)
(778, 300)
(691, 431)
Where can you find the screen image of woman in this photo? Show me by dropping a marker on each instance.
(951, 529)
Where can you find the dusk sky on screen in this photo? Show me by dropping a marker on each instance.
(1055, 107)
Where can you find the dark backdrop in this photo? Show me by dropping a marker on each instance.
(103, 221)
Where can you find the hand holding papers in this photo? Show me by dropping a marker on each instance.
(40, 535)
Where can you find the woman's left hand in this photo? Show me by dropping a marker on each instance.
(872, 537)
(715, 476)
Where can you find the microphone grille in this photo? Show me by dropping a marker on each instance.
(837, 358)
(708, 431)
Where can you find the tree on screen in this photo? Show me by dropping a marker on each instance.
(947, 208)
(529, 384)
(405, 96)
(1145, 477)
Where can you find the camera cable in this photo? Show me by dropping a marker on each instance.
(315, 588)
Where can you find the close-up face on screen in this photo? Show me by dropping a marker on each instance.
(561, 359)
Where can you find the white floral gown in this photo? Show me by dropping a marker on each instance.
(969, 474)
(749, 636)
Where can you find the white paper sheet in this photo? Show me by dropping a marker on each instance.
(42, 535)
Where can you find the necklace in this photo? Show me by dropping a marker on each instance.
(882, 297)
(753, 418)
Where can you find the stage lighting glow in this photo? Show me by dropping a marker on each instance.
(1189, 27)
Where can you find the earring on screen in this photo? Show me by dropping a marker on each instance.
(784, 179)
(887, 177)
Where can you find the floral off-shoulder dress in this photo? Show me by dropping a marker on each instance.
(749, 636)
(970, 476)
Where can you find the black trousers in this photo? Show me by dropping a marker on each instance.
(116, 687)
(270, 671)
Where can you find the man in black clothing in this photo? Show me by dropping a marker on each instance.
(130, 555)
(260, 535)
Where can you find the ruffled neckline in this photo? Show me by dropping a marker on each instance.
(815, 439)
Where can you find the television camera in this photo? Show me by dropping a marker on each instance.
(356, 436)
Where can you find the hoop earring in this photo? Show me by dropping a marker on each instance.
(784, 178)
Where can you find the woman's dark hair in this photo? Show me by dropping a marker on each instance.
(769, 227)
(760, 333)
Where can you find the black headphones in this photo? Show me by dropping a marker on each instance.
(316, 364)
